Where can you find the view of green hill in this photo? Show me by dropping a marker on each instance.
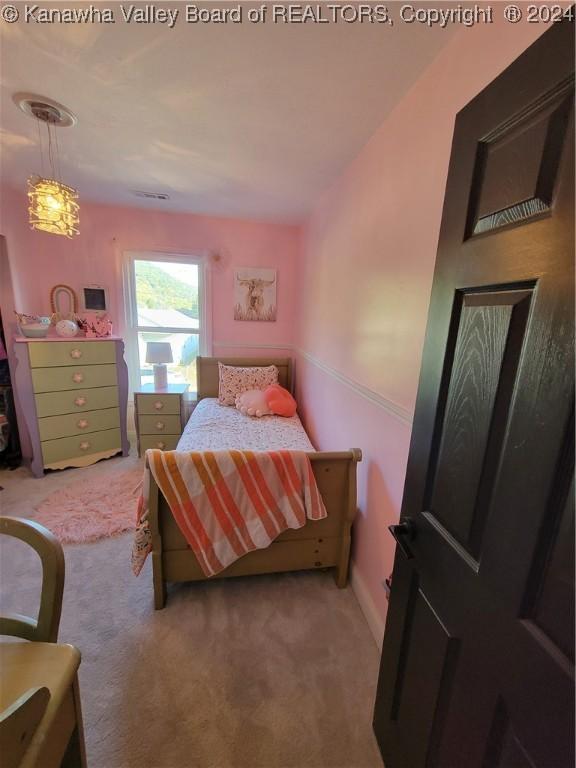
(157, 289)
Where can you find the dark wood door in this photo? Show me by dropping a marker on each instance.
(478, 659)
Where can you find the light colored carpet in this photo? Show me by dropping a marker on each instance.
(88, 510)
(262, 672)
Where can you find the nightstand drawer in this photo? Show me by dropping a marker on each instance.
(158, 403)
(54, 427)
(73, 377)
(56, 403)
(164, 442)
(57, 353)
(159, 425)
(57, 451)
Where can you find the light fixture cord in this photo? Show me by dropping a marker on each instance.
(50, 152)
(58, 169)
(40, 145)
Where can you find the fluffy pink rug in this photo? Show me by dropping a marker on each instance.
(92, 509)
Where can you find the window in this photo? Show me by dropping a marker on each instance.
(166, 303)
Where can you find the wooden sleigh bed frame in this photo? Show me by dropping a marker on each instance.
(318, 544)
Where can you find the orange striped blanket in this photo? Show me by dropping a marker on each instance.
(228, 503)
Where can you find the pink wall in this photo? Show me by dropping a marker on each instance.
(39, 261)
(367, 265)
(363, 278)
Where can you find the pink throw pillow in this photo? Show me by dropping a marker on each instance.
(280, 401)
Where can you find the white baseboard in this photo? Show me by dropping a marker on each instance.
(366, 603)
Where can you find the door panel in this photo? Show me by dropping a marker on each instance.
(504, 748)
(554, 609)
(490, 327)
(477, 667)
(549, 604)
(517, 165)
(422, 681)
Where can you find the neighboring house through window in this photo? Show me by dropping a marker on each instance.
(166, 301)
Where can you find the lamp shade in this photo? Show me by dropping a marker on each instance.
(158, 352)
(53, 207)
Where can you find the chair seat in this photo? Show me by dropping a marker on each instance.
(28, 665)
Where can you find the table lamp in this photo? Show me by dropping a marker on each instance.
(159, 353)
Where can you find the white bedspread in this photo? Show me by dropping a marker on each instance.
(215, 427)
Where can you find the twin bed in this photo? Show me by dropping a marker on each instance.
(318, 544)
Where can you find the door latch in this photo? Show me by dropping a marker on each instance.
(403, 533)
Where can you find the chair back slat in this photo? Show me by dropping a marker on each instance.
(45, 627)
(16, 625)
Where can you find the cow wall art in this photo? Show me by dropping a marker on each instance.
(255, 294)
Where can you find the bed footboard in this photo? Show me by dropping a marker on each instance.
(318, 544)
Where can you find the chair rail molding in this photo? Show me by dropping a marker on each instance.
(236, 345)
(399, 412)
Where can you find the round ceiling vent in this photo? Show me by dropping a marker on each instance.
(47, 110)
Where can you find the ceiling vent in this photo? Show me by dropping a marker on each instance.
(151, 195)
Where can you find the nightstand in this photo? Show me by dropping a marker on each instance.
(159, 416)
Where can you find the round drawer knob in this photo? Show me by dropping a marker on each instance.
(80, 401)
(158, 405)
(161, 445)
(84, 445)
(82, 424)
(160, 425)
(77, 378)
(75, 354)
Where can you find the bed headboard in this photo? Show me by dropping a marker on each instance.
(207, 371)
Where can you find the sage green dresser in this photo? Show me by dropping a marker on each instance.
(73, 394)
(159, 416)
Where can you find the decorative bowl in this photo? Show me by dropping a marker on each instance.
(35, 330)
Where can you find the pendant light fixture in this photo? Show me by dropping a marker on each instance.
(52, 204)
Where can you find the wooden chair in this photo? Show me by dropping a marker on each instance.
(45, 628)
(40, 712)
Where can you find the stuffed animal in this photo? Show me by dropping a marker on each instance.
(274, 399)
(97, 327)
(252, 403)
(280, 401)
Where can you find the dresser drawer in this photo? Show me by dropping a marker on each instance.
(164, 442)
(56, 403)
(46, 354)
(158, 403)
(53, 427)
(57, 451)
(160, 424)
(73, 377)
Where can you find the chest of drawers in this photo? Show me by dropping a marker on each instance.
(73, 394)
(159, 416)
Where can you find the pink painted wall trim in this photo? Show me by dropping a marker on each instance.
(366, 272)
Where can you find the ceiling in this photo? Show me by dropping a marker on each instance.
(248, 120)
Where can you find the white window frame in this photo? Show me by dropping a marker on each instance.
(131, 307)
